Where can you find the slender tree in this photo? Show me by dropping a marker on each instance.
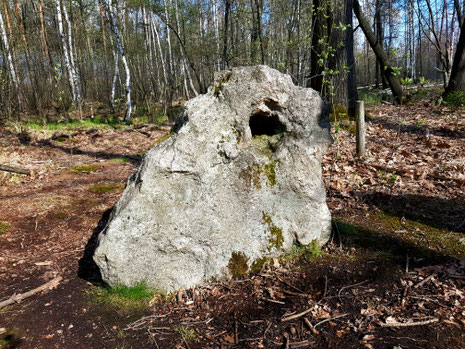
(119, 46)
(390, 73)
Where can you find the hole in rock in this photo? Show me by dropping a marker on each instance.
(262, 123)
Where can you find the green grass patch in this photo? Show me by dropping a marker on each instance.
(4, 228)
(120, 296)
(83, 169)
(105, 187)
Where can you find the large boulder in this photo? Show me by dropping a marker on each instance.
(238, 180)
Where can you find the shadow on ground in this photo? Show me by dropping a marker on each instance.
(433, 211)
(419, 129)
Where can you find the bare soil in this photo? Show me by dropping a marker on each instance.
(392, 275)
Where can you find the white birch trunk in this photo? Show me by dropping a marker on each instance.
(217, 33)
(119, 46)
(71, 57)
(157, 36)
(65, 51)
(168, 39)
(115, 75)
(9, 58)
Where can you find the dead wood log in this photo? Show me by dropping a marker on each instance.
(15, 169)
(19, 297)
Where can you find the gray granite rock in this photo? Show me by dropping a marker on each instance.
(238, 180)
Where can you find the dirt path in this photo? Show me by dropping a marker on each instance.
(399, 220)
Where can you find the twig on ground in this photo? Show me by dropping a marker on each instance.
(138, 324)
(290, 285)
(273, 301)
(408, 324)
(329, 319)
(424, 281)
(296, 316)
(350, 286)
(310, 326)
(19, 297)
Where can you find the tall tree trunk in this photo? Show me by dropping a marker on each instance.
(42, 33)
(227, 7)
(459, 12)
(457, 76)
(389, 72)
(27, 52)
(319, 32)
(65, 51)
(71, 61)
(119, 46)
(9, 57)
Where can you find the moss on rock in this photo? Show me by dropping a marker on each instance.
(238, 264)
(276, 240)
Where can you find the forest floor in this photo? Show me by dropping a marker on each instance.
(392, 276)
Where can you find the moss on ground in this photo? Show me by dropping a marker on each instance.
(84, 169)
(105, 187)
(392, 238)
(4, 228)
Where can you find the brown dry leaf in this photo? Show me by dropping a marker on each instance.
(229, 338)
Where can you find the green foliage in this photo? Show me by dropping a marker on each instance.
(4, 228)
(406, 81)
(187, 334)
(83, 169)
(456, 99)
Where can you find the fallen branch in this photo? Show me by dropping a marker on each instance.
(19, 297)
(407, 324)
(15, 169)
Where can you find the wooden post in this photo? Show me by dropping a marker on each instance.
(360, 127)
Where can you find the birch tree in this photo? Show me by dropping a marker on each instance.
(9, 57)
(112, 12)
